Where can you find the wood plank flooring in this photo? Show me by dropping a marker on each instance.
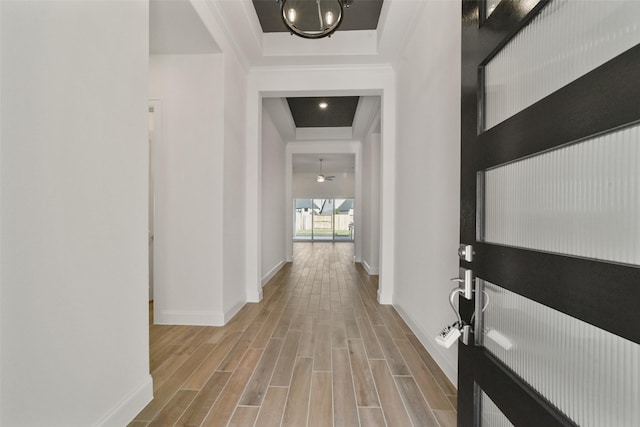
(318, 350)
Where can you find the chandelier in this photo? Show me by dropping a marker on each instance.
(313, 19)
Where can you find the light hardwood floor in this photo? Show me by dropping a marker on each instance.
(318, 350)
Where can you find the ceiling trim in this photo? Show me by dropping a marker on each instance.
(324, 133)
(367, 113)
(176, 28)
(250, 13)
(278, 110)
(221, 19)
(398, 21)
(343, 43)
(320, 68)
(324, 80)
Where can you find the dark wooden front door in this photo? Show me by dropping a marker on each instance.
(597, 288)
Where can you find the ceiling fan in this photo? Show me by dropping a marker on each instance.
(321, 177)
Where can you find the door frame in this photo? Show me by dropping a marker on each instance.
(571, 285)
(319, 148)
(155, 106)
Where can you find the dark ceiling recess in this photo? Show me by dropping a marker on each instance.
(361, 15)
(339, 112)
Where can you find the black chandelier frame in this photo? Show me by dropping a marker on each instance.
(325, 32)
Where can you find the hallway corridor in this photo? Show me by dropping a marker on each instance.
(317, 350)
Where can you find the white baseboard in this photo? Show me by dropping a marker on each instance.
(192, 318)
(428, 343)
(228, 315)
(254, 295)
(129, 406)
(384, 299)
(272, 272)
(372, 271)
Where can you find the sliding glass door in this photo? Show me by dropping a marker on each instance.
(344, 226)
(303, 219)
(323, 220)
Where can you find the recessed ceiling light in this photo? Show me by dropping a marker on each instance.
(323, 105)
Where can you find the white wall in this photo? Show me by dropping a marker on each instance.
(233, 226)
(428, 184)
(305, 186)
(369, 227)
(188, 246)
(74, 213)
(274, 206)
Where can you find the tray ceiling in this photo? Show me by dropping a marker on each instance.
(361, 15)
(339, 112)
